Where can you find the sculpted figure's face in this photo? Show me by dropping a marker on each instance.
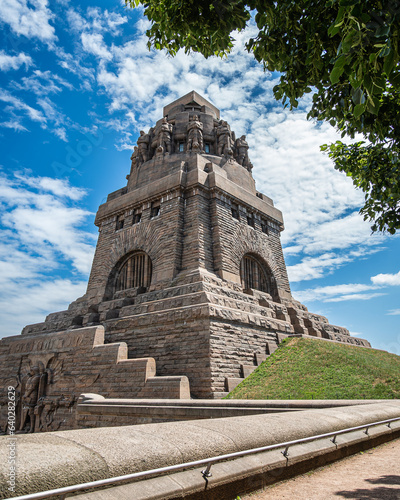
(142, 132)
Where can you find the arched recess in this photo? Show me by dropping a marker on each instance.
(256, 274)
(132, 271)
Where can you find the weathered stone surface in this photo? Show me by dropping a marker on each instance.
(67, 364)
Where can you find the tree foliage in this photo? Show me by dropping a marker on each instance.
(344, 51)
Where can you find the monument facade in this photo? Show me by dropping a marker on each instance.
(188, 289)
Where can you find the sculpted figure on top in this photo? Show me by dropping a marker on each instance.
(242, 156)
(191, 131)
(143, 147)
(165, 136)
(195, 134)
(135, 158)
(224, 138)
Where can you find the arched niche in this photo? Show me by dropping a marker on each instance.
(133, 271)
(256, 274)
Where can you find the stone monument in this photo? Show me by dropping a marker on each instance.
(188, 282)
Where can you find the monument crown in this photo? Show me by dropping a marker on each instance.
(190, 124)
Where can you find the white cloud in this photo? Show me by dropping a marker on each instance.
(96, 21)
(94, 44)
(340, 293)
(31, 19)
(15, 124)
(43, 221)
(49, 117)
(355, 296)
(357, 334)
(327, 293)
(42, 235)
(386, 279)
(394, 312)
(8, 62)
(61, 133)
(40, 297)
(58, 187)
(17, 104)
(42, 83)
(312, 267)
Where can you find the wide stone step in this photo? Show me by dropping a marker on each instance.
(247, 370)
(271, 347)
(232, 382)
(173, 291)
(165, 304)
(191, 300)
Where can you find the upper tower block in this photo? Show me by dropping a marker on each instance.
(190, 125)
(191, 102)
(190, 204)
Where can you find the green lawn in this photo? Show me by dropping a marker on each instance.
(311, 369)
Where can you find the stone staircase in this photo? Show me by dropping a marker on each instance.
(259, 357)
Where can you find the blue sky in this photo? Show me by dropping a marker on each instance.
(77, 85)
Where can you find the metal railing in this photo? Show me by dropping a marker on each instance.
(206, 473)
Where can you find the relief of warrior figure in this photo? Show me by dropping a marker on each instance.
(195, 135)
(143, 148)
(32, 388)
(224, 138)
(164, 136)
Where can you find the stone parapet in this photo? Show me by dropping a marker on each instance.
(84, 455)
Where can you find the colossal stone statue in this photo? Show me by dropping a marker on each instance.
(164, 136)
(143, 147)
(195, 135)
(242, 156)
(135, 157)
(224, 138)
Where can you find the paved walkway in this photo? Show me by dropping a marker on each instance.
(371, 475)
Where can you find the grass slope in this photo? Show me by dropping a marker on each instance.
(311, 369)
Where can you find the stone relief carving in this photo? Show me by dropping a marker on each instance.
(45, 393)
(35, 408)
(195, 134)
(32, 389)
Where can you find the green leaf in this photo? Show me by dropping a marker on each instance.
(388, 64)
(373, 105)
(335, 75)
(382, 31)
(359, 110)
(358, 96)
